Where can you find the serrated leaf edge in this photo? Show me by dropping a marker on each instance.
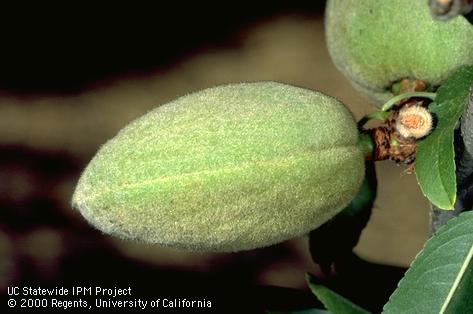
(409, 270)
(465, 264)
(440, 205)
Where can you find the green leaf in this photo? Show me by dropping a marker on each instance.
(440, 280)
(306, 311)
(435, 159)
(335, 303)
(390, 103)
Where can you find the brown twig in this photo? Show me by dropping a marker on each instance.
(391, 142)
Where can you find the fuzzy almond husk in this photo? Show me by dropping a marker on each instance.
(377, 43)
(229, 168)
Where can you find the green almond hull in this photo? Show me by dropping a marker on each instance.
(376, 43)
(230, 168)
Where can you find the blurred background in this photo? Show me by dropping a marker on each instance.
(70, 80)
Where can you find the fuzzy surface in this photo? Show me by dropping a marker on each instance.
(229, 168)
(378, 42)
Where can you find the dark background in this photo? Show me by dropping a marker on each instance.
(71, 77)
(65, 50)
